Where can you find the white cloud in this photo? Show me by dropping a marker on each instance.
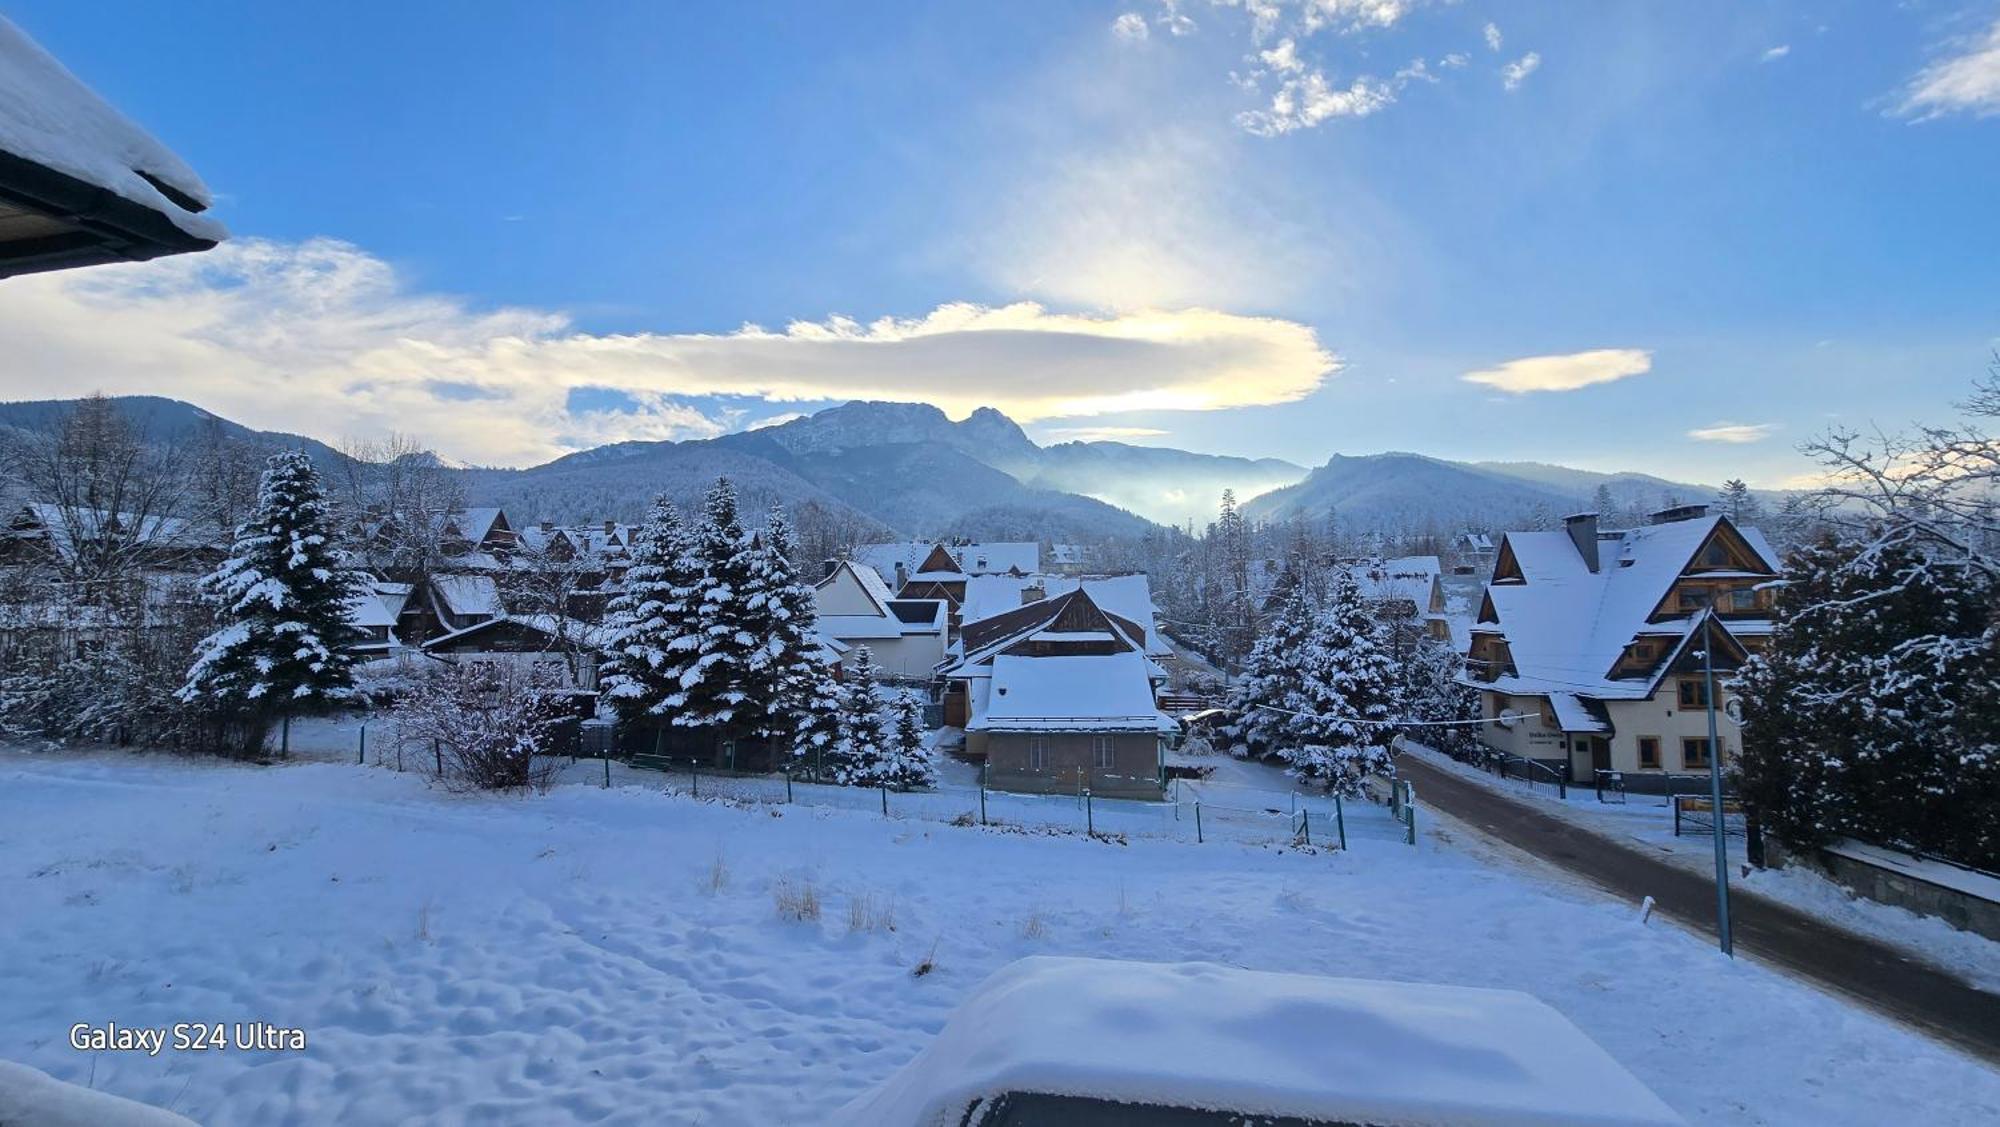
(1455, 61)
(1967, 80)
(1305, 101)
(1774, 54)
(1733, 432)
(1171, 18)
(1130, 25)
(1565, 372)
(323, 337)
(1517, 72)
(776, 420)
(1493, 39)
(1103, 434)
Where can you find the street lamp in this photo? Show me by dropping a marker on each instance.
(1715, 789)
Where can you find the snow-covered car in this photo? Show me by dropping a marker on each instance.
(1099, 1042)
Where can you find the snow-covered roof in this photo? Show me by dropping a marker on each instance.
(48, 116)
(366, 611)
(1128, 596)
(1566, 625)
(40, 518)
(991, 558)
(555, 626)
(476, 524)
(1262, 1044)
(1097, 692)
(469, 594)
(1573, 716)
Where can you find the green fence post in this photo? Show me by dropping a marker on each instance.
(285, 738)
(1089, 820)
(983, 768)
(1339, 822)
(694, 769)
(607, 769)
(439, 753)
(1306, 824)
(885, 800)
(361, 757)
(1409, 825)
(1197, 822)
(788, 786)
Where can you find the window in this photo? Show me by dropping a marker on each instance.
(1716, 555)
(1649, 751)
(1038, 753)
(1103, 753)
(1693, 598)
(1694, 753)
(1743, 599)
(1694, 693)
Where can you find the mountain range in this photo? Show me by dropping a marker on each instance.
(907, 468)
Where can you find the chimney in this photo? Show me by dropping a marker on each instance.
(1679, 513)
(548, 525)
(1033, 593)
(610, 526)
(902, 574)
(1582, 529)
(828, 568)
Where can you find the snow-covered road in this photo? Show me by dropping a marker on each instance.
(621, 956)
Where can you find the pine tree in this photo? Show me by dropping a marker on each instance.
(720, 690)
(1739, 504)
(792, 675)
(903, 761)
(281, 611)
(1874, 711)
(865, 735)
(653, 642)
(1271, 678)
(1346, 690)
(818, 747)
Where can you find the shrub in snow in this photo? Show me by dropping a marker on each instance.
(280, 601)
(1875, 710)
(480, 726)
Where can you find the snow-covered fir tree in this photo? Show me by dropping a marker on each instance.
(902, 761)
(1430, 691)
(782, 607)
(730, 686)
(281, 617)
(865, 728)
(1271, 677)
(653, 642)
(1874, 711)
(1346, 689)
(819, 750)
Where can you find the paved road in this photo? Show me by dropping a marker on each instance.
(1850, 964)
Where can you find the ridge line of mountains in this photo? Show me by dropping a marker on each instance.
(908, 469)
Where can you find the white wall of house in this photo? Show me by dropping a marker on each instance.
(1659, 717)
(843, 594)
(911, 655)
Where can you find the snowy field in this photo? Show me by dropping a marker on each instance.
(1645, 820)
(629, 956)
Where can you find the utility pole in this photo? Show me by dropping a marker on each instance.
(1715, 790)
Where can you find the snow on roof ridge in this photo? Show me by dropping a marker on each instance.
(49, 116)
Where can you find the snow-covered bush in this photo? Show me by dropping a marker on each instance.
(900, 760)
(480, 726)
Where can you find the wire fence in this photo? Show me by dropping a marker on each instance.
(1193, 811)
(1194, 814)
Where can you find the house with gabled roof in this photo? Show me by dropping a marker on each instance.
(1077, 734)
(1128, 596)
(855, 608)
(1403, 589)
(939, 570)
(1588, 647)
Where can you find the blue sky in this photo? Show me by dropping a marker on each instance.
(511, 229)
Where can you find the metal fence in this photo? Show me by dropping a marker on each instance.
(1194, 814)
